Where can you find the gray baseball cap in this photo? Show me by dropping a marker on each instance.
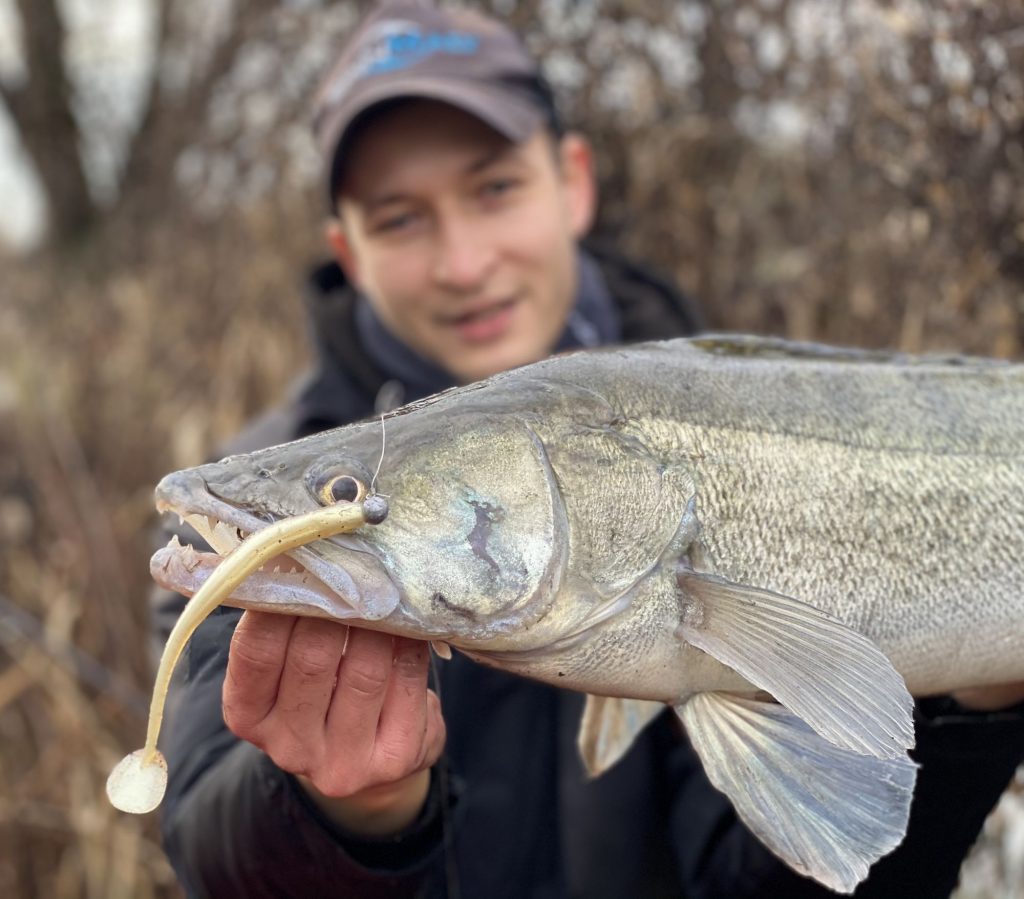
(408, 49)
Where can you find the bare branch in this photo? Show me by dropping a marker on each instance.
(171, 125)
(41, 111)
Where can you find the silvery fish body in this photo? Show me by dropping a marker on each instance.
(706, 524)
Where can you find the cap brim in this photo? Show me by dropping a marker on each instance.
(514, 115)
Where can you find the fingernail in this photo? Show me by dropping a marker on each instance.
(408, 656)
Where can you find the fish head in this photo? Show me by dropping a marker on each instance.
(473, 547)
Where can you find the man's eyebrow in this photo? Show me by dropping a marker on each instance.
(481, 163)
(498, 154)
(386, 199)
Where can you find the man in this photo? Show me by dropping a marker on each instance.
(313, 760)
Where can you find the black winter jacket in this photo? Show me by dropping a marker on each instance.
(510, 812)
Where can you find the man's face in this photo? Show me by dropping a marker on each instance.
(464, 242)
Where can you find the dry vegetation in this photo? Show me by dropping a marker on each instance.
(107, 382)
(858, 181)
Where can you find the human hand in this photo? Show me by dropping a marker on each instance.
(990, 699)
(360, 730)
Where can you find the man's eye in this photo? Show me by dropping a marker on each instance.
(499, 186)
(395, 222)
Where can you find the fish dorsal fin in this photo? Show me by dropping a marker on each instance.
(828, 812)
(608, 728)
(755, 346)
(834, 678)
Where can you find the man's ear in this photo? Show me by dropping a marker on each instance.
(341, 246)
(577, 162)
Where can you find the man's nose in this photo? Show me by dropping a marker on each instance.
(466, 255)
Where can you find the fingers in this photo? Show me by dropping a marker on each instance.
(433, 742)
(280, 682)
(991, 699)
(308, 678)
(258, 650)
(403, 722)
(346, 707)
(359, 697)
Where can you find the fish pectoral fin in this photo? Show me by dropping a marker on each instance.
(828, 812)
(608, 728)
(441, 649)
(834, 678)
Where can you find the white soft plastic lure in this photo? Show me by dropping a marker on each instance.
(138, 782)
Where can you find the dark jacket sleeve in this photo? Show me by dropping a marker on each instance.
(234, 824)
(966, 761)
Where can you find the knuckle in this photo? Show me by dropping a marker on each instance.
(405, 751)
(341, 778)
(394, 752)
(391, 766)
(365, 681)
(313, 659)
(253, 652)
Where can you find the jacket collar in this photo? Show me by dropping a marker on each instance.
(594, 320)
(362, 366)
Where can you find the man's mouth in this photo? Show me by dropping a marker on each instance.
(487, 323)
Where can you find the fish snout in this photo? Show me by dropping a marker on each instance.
(179, 489)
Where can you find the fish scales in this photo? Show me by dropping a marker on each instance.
(891, 495)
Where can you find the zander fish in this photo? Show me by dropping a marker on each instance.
(777, 540)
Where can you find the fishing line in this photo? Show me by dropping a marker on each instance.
(380, 462)
(451, 870)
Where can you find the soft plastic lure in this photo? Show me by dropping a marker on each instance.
(138, 782)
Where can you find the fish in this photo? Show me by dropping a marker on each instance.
(781, 542)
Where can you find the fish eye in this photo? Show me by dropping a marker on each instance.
(342, 488)
(337, 480)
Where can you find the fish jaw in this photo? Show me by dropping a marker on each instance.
(298, 582)
(284, 587)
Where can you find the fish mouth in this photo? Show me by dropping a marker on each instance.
(351, 584)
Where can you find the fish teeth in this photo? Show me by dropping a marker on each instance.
(199, 523)
(190, 559)
(221, 536)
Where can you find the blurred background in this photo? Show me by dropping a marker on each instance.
(849, 172)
